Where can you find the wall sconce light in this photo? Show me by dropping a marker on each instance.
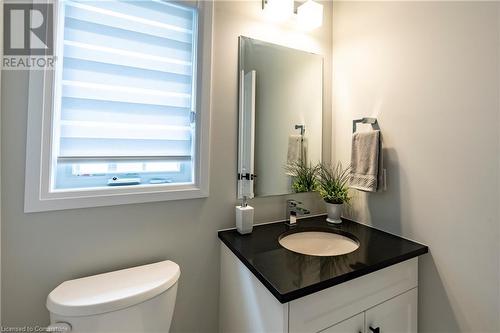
(278, 10)
(309, 14)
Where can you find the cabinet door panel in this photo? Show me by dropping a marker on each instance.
(397, 315)
(352, 325)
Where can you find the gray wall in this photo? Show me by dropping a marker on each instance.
(40, 250)
(430, 72)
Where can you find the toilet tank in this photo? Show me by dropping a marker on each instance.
(138, 299)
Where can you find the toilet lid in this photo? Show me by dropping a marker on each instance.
(112, 291)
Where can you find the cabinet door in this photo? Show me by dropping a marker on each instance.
(352, 325)
(397, 315)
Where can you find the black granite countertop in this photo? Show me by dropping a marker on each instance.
(289, 275)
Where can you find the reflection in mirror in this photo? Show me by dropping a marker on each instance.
(280, 127)
(246, 144)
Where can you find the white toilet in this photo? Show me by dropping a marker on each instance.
(139, 299)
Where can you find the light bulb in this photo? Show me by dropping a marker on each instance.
(278, 10)
(310, 15)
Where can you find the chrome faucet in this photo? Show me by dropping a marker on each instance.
(293, 210)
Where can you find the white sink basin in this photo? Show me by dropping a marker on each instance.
(318, 243)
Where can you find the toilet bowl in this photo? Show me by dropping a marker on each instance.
(139, 299)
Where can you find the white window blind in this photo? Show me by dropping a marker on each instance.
(127, 90)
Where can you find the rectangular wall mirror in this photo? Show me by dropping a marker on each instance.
(280, 116)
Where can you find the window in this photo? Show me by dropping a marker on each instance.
(127, 93)
(126, 121)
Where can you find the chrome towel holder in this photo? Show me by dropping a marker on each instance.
(365, 120)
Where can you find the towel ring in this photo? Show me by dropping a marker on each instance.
(302, 129)
(371, 121)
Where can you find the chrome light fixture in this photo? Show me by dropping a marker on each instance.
(278, 10)
(309, 14)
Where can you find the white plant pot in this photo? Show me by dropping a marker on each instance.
(334, 211)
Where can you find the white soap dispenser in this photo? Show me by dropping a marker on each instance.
(244, 217)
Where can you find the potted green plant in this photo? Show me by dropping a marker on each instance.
(332, 185)
(304, 176)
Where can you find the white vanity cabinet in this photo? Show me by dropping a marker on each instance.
(354, 324)
(397, 315)
(385, 300)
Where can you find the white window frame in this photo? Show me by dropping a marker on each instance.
(38, 196)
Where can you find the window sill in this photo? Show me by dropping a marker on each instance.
(110, 197)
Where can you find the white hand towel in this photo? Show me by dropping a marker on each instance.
(296, 153)
(367, 172)
(294, 149)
